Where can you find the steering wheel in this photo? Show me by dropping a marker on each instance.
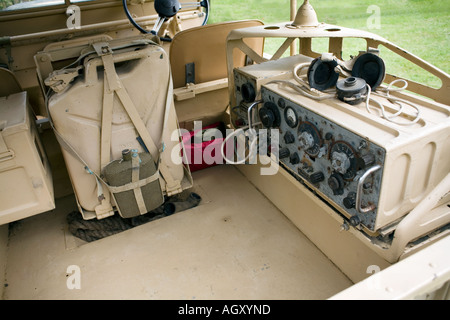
(167, 9)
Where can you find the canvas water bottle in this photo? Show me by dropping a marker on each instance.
(134, 183)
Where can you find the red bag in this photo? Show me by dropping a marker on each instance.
(203, 147)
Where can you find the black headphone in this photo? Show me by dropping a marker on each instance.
(369, 67)
(322, 74)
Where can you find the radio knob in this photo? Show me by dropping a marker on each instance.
(336, 183)
(284, 153)
(350, 200)
(328, 136)
(368, 159)
(289, 137)
(316, 177)
(248, 92)
(355, 221)
(269, 115)
(294, 158)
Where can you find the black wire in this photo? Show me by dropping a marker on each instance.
(134, 23)
(125, 7)
(204, 3)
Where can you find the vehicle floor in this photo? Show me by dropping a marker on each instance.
(235, 245)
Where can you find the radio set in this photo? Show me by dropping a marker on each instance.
(367, 150)
(248, 81)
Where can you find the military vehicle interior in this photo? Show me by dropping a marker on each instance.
(348, 199)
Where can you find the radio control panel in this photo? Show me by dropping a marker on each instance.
(329, 158)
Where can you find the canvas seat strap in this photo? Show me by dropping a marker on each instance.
(135, 165)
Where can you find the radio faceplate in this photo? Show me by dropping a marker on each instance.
(329, 158)
(370, 170)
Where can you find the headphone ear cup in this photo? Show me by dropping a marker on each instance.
(371, 68)
(322, 75)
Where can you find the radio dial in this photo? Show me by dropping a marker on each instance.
(340, 162)
(291, 117)
(309, 138)
(306, 140)
(343, 159)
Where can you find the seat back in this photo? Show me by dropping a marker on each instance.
(205, 46)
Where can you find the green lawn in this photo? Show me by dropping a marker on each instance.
(421, 27)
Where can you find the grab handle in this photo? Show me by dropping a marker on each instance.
(359, 191)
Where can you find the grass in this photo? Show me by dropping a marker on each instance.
(421, 27)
